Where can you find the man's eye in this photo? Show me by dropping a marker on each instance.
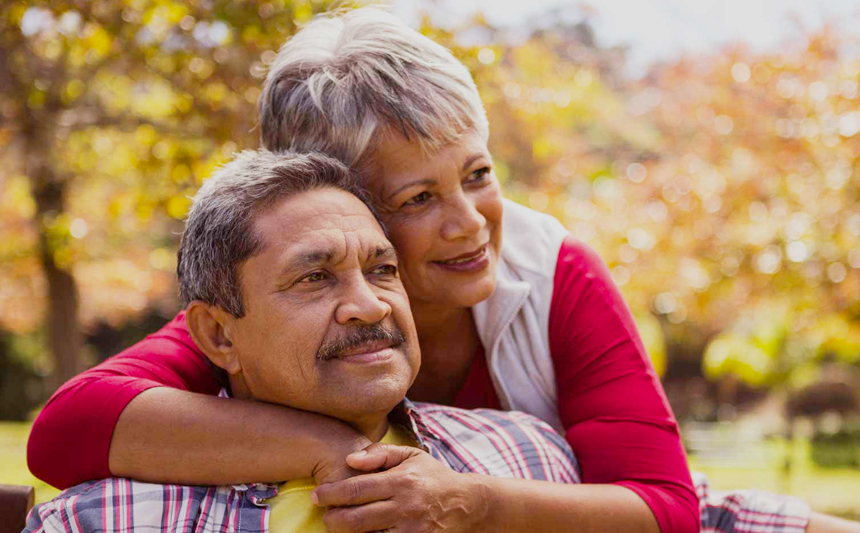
(418, 199)
(386, 270)
(313, 277)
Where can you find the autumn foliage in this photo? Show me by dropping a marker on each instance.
(722, 190)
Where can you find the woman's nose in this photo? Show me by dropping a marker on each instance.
(462, 218)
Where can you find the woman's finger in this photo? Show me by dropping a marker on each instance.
(376, 516)
(380, 457)
(358, 490)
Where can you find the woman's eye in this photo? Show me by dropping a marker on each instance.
(479, 174)
(418, 199)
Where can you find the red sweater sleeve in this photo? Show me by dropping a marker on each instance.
(610, 400)
(70, 439)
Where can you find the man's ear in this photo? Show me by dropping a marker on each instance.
(208, 325)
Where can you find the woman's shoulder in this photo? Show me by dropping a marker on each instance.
(536, 246)
(518, 216)
(166, 353)
(575, 255)
(531, 240)
(173, 334)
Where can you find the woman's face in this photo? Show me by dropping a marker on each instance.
(444, 214)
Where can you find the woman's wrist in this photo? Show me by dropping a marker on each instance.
(482, 497)
(336, 441)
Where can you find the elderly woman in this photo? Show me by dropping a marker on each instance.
(512, 313)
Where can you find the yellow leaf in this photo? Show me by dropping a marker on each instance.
(177, 206)
(98, 40)
(303, 13)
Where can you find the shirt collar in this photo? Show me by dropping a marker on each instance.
(404, 415)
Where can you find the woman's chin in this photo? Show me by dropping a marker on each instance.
(463, 295)
(475, 295)
(451, 290)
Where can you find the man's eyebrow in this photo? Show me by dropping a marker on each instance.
(319, 257)
(312, 257)
(383, 252)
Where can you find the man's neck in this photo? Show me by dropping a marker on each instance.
(373, 428)
(374, 425)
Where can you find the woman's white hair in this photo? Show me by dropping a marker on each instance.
(344, 77)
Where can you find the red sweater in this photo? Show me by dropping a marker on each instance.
(615, 413)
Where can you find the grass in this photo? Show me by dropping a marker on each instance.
(13, 460)
(828, 490)
(832, 491)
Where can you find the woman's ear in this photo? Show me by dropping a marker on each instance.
(208, 325)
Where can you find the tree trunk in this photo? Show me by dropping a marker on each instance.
(64, 337)
(49, 191)
(38, 123)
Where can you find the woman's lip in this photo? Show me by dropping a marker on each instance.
(467, 255)
(477, 263)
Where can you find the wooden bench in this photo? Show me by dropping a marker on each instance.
(15, 502)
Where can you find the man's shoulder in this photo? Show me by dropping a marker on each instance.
(498, 443)
(455, 421)
(466, 416)
(120, 504)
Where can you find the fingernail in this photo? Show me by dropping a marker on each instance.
(314, 499)
(359, 453)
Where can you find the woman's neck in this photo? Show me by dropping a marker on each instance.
(449, 340)
(434, 322)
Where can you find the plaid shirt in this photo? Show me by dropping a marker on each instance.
(504, 444)
(749, 511)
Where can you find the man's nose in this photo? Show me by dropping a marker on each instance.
(360, 303)
(462, 217)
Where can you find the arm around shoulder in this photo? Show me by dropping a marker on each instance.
(611, 402)
(151, 413)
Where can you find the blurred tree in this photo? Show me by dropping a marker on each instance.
(758, 173)
(713, 187)
(112, 113)
(716, 187)
(758, 169)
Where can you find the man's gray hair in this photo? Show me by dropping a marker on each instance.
(219, 232)
(344, 76)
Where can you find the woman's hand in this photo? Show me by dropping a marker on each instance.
(413, 492)
(333, 467)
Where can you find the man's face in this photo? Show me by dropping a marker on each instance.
(327, 326)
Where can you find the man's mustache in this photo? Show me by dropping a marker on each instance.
(358, 336)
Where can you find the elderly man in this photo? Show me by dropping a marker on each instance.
(292, 291)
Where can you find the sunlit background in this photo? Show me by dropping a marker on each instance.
(707, 150)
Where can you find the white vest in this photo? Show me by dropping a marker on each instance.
(513, 323)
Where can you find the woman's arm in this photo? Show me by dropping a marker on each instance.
(150, 412)
(537, 506)
(417, 493)
(611, 402)
(174, 436)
